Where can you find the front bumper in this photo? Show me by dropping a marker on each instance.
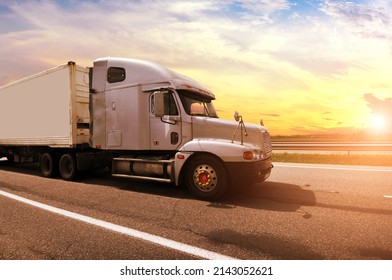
(244, 174)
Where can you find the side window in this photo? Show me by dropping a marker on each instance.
(115, 74)
(170, 105)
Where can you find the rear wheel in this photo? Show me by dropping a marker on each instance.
(206, 177)
(68, 167)
(10, 158)
(48, 165)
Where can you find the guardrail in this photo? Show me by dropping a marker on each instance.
(332, 146)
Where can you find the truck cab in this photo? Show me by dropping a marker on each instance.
(160, 125)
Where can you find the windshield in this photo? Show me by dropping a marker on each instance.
(196, 105)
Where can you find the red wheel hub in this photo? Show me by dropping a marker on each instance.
(204, 178)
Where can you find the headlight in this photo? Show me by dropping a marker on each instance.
(256, 155)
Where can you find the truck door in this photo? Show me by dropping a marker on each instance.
(165, 131)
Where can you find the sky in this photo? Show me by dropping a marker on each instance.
(304, 67)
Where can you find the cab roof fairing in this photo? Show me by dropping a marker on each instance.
(140, 71)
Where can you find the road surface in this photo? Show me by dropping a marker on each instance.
(301, 212)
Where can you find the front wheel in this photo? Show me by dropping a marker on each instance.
(206, 177)
(68, 167)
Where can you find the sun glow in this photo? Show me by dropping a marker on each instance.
(378, 122)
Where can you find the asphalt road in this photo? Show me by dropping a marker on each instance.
(301, 212)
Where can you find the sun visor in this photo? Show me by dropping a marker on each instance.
(195, 87)
(156, 86)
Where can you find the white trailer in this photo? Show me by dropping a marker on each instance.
(137, 117)
(47, 109)
(45, 118)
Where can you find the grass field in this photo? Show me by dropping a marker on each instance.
(346, 159)
(358, 137)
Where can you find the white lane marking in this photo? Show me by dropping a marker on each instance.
(292, 165)
(195, 251)
(388, 196)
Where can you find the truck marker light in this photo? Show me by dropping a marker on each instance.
(248, 155)
(180, 156)
(98, 146)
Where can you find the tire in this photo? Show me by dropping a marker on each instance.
(68, 167)
(10, 158)
(48, 165)
(206, 177)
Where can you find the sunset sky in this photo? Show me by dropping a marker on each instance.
(303, 66)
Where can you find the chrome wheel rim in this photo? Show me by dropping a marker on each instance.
(205, 178)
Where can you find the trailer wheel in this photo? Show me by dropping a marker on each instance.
(48, 165)
(68, 167)
(10, 158)
(206, 177)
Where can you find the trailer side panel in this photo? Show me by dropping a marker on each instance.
(47, 109)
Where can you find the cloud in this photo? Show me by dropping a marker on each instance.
(370, 19)
(380, 108)
(136, 25)
(265, 7)
(275, 55)
(184, 35)
(271, 115)
(206, 34)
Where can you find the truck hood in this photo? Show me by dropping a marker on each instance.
(213, 128)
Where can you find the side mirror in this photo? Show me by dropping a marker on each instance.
(237, 116)
(159, 103)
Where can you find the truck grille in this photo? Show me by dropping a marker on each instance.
(267, 142)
